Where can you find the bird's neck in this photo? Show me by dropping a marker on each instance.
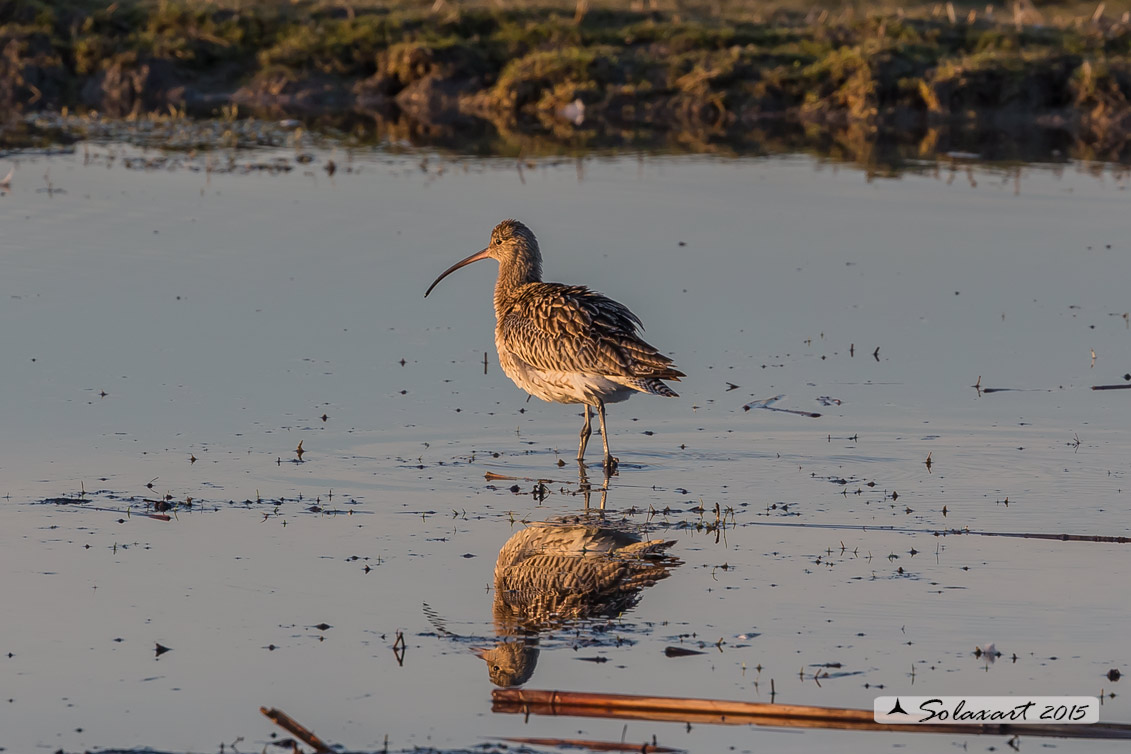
(514, 273)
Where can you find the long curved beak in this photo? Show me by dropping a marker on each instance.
(462, 263)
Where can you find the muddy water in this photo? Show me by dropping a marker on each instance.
(156, 316)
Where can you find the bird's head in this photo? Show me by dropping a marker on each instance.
(514, 247)
(510, 663)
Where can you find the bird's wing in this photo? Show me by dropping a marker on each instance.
(563, 328)
(544, 588)
(561, 575)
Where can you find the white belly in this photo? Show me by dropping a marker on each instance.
(562, 387)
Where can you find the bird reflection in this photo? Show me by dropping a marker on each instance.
(586, 488)
(555, 573)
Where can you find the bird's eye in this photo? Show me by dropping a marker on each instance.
(498, 241)
(495, 667)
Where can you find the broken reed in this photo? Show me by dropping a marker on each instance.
(720, 712)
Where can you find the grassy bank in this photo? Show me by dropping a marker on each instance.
(570, 74)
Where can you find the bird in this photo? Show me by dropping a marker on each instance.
(566, 343)
(557, 573)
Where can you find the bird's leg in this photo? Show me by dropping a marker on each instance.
(583, 479)
(586, 489)
(586, 430)
(610, 462)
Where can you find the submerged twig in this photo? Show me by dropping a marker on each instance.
(580, 743)
(491, 476)
(127, 512)
(290, 725)
(768, 405)
(1100, 538)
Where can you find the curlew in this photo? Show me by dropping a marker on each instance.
(554, 574)
(566, 343)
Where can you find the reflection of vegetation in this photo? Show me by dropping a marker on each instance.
(847, 81)
(881, 152)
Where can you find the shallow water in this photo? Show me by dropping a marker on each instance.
(152, 317)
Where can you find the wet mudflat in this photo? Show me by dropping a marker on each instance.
(172, 334)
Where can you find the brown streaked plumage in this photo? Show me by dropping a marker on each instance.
(553, 574)
(566, 343)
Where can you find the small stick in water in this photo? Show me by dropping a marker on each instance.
(289, 724)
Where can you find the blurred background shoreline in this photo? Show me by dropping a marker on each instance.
(879, 85)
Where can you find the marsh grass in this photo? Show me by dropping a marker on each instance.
(704, 69)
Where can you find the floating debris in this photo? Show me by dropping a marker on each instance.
(989, 651)
(768, 405)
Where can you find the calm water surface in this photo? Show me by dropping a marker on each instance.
(152, 317)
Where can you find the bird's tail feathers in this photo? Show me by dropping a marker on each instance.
(644, 576)
(647, 385)
(653, 548)
(671, 374)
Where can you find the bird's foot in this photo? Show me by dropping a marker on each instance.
(611, 464)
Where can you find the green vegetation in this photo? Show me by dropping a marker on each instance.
(708, 71)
